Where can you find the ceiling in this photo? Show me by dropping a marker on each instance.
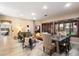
(25, 9)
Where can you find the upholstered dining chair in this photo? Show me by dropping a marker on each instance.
(48, 46)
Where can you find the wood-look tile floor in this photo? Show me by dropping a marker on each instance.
(11, 47)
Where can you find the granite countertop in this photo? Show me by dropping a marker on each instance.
(58, 38)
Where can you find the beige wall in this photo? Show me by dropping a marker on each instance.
(57, 18)
(19, 24)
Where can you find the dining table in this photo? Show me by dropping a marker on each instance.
(58, 39)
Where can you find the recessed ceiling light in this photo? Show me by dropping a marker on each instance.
(33, 14)
(34, 18)
(68, 5)
(45, 7)
(21, 14)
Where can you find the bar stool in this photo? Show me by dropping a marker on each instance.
(64, 46)
(68, 41)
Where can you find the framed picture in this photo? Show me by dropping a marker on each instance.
(37, 28)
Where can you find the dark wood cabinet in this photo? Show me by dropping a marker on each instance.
(71, 26)
(78, 28)
(47, 27)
